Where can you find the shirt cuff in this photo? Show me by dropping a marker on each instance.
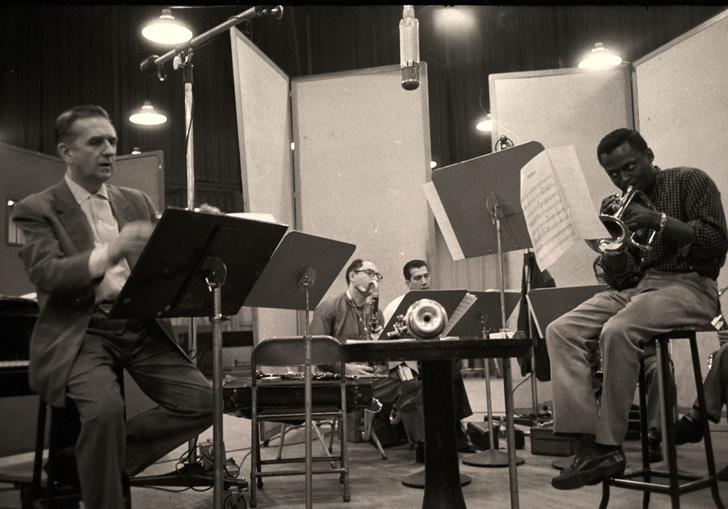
(98, 262)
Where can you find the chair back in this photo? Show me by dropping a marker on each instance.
(290, 351)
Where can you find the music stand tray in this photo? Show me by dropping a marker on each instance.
(547, 304)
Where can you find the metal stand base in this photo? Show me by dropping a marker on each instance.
(417, 480)
(490, 459)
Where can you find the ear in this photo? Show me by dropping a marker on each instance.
(650, 155)
(64, 150)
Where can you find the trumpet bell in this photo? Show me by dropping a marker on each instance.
(621, 236)
(426, 318)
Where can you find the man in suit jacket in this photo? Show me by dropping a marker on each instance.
(82, 237)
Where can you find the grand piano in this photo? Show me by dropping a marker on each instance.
(17, 318)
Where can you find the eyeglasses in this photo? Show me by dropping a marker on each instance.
(371, 273)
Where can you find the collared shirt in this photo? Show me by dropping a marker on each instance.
(691, 196)
(103, 228)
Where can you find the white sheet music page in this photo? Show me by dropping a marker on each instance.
(556, 203)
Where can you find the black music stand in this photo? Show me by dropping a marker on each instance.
(182, 271)
(479, 202)
(297, 277)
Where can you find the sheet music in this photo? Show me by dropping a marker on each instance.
(557, 205)
(465, 304)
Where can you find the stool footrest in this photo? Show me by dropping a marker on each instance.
(693, 485)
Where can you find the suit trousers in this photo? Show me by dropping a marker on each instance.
(621, 322)
(107, 445)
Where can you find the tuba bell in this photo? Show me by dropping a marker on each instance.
(622, 237)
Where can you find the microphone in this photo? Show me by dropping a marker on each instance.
(409, 48)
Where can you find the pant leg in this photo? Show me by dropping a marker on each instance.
(93, 387)
(570, 340)
(652, 389)
(184, 396)
(407, 398)
(460, 394)
(714, 385)
(660, 303)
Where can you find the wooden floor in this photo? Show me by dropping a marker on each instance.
(375, 483)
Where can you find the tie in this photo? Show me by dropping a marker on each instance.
(106, 230)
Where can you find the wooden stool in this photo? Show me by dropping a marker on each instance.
(678, 483)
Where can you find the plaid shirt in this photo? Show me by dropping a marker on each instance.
(689, 195)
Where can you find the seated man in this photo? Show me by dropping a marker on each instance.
(669, 286)
(417, 277)
(82, 236)
(690, 428)
(351, 315)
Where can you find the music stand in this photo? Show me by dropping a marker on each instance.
(297, 277)
(477, 203)
(182, 272)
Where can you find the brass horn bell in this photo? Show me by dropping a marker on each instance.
(425, 319)
(622, 237)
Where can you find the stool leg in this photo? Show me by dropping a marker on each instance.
(646, 470)
(605, 495)
(39, 445)
(707, 442)
(663, 374)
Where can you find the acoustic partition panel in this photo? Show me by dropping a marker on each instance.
(264, 137)
(564, 107)
(680, 109)
(362, 155)
(681, 99)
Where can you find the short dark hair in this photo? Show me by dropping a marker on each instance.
(619, 136)
(64, 122)
(413, 264)
(356, 264)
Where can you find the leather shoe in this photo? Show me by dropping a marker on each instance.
(687, 430)
(591, 467)
(654, 451)
(464, 443)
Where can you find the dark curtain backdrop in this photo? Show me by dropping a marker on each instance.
(55, 56)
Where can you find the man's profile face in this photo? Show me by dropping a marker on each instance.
(90, 152)
(627, 166)
(419, 278)
(365, 276)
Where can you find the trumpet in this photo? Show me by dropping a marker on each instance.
(622, 236)
(425, 319)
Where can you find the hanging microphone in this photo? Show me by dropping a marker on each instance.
(409, 48)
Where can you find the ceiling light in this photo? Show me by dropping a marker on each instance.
(147, 115)
(433, 164)
(166, 30)
(599, 58)
(485, 124)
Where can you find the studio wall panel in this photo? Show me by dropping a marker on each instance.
(264, 137)
(362, 155)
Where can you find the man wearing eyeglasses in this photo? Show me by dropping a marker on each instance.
(354, 314)
(417, 277)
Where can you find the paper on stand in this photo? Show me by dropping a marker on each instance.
(556, 203)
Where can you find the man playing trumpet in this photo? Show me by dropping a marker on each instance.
(668, 285)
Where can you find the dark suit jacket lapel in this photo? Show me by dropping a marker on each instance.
(72, 217)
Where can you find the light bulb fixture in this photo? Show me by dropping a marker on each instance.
(166, 30)
(485, 124)
(600, 58)
(433, 164)
(147, 115)
(136, 151)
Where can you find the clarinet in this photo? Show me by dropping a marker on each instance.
(373, 318)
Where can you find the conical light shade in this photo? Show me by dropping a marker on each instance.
(147, 115)
(485, 125)
(599, 58)
(166, 30)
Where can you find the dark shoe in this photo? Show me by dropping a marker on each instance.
(722, 475)
(464, 443)
(687, 430)
(653, 446)
(420, 452)
(591, 468)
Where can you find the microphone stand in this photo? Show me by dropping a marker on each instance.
(182, 60)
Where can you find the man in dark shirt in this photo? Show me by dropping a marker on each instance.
(669, 286)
